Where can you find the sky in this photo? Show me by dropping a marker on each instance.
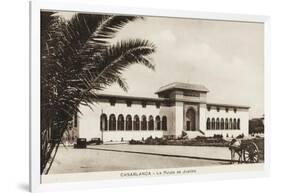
(226, 57)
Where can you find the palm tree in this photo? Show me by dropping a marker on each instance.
(77, 60)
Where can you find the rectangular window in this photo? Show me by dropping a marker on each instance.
(157, 105)
(112, 102)
(129, 103)
(143, 104)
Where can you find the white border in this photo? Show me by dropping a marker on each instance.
(35, 7)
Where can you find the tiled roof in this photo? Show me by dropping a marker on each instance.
(228, 105)
(183, 86)
(123, 97)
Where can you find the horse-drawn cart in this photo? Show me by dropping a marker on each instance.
(249, 151)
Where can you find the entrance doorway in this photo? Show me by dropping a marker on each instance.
(190, 120)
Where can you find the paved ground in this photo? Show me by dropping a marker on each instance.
(111, 158)
(194, 151)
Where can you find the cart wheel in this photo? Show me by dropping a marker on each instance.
(251, 153)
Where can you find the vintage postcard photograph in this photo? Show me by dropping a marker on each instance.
(128, 96)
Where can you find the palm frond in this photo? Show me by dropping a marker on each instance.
(88, 31)
(45, 19)
(119, 57)
(108, 27)
(122, 83)
(79, 29)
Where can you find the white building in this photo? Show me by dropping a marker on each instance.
(179, 107)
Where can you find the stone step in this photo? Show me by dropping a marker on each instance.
(193, 134)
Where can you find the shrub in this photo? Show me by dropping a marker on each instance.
(148, 140)
(169, 137)
(183, 134)
(217, 136)
(96, 141)
(156, 141)
(241, 136)
(133, 142)
(162, 141)
(202, 138)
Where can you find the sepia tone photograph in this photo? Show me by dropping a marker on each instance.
(126, 93)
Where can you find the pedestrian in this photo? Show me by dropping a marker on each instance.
(235, 147)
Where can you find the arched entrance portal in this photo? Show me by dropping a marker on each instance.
(190, 120)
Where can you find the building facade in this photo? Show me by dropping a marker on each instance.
(180, 108)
